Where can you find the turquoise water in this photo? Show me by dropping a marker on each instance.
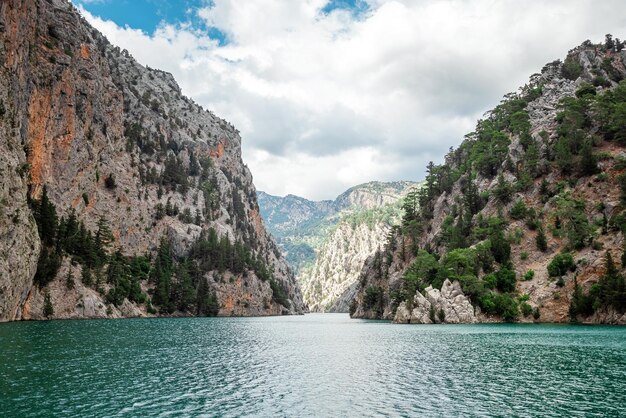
(313, 365)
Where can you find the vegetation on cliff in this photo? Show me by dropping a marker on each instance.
(518, 176)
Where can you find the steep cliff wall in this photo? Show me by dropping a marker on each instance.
(113, 140)
(528, 213)
(327, 242)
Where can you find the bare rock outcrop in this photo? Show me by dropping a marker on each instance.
(448, 306)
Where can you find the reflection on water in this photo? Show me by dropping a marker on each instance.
(313, 365)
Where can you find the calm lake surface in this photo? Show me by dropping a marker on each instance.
(313, 365)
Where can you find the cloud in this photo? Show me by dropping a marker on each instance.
(326, 97)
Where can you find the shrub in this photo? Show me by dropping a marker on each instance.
(373, 299)
(86, 199)
(48, 309)
(529, 275)
(442, 315)
(526, 309)
(505, 280)
(500, 304)
(503, 191)
(560, 264)
(109, 182)
(523, 255)
(571, 68)
(490, 281)
(532, 219)
(519, 210)
(542, 243)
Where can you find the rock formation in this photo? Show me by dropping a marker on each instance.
(448, 306)
(326, 242)
(113, 140)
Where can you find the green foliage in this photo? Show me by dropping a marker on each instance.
(374, 300)
(505, 280)
(490, 150)
(503, 190)
(541, 240)
(560, 265)
(571, 68)
(218, 253)
(529, 275)
(459, 263)
(48, 309)
(574, 221)
(519, 210)
(585, 89)
(87, 277)
(174, 174)
(502, 304)
(500, 247)
(588, 161)
(611, 288)
(47, 266)
(420, 274)
(611, 113)
(279, 295)
(526, 309)
(86, 199)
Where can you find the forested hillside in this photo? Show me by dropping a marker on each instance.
(527, 214)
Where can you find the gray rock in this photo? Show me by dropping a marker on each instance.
(450, 300)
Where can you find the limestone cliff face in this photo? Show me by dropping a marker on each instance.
(446, 306)
(327, 242)
(77, 112)
(541, 166)
(339, 261)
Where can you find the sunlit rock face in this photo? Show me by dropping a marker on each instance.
(76, 111)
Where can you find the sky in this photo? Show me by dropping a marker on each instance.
(330, 94)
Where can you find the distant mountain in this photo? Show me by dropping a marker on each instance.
(326, 242)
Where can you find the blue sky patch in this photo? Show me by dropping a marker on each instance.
(148, 14)
(357, 7)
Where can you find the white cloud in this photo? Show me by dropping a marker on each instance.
(328, 101)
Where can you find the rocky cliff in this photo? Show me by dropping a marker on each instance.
(527, 215)
(145, 180)
(327, 242)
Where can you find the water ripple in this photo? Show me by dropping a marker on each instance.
(316, 365)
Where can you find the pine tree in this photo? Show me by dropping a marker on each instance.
(502, 191)
(48, 309)
(588, 161)
(104, 236)
(161, 275)
(87, 276)
(542, 243)
(46, 217)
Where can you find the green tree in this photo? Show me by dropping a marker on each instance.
(48, 309)
(542, 243)
(503, 191)
(588, 161)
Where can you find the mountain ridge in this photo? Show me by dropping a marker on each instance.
(525, 217)
(162, 211)
(327, 241)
